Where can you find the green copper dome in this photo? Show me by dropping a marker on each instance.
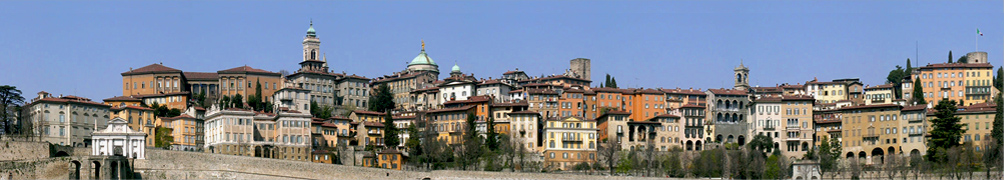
(421, 59)
(456, 68)
(310, 31)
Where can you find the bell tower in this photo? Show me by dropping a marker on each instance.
(742, 77)
(311, 44)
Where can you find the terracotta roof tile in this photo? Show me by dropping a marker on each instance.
(201, 76)
(246, 69)
(152, 68)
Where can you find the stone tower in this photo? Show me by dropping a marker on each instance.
(311, 44)
(581, 68)
(977, 57)
(742, 77)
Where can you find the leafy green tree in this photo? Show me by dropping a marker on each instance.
(383, 100)
(163, 138)
(946, 130)
(918, 92)
(829, 155)
(10, 99)
(390, 132)
(761, 143)
(896, 77)
(414, 140)
(173, 112)
(314, 109)
(962, 59)
(775, 166)
(224, 101)
(237, 101)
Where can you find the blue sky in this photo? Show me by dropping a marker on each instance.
(81, 47)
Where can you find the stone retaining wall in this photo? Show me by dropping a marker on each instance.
(21, 150)
(162, 164)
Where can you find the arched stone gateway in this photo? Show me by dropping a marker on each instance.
(75, 167)
(850, 155)
(97, 170)
(742, 140)
(877, 156)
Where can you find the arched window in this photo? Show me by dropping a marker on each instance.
(313, 54)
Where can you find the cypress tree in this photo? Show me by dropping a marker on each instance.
(390, 132)
(918, 92)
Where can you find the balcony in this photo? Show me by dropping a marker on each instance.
(571, 139)
(916, 133)
(770, 128)
(870, 135)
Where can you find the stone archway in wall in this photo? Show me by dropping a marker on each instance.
(697, 145)
(718, 138)
(862, 156)
(96, 167)
(75, 166)
(114, 170)
(690, 145)
(742, 140)
(877, 156)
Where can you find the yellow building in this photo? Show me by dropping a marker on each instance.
(138, 118)
(187, 131)
(391, 159)
(366, 116)
(970, 83)
(449, 123)
(871, 131)
(977, 120)
(570, 141)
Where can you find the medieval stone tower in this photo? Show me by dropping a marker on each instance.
(581, 68)
(742, 77)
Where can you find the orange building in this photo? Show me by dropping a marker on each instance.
(366, 116)
(152, 79)
(647, 104)
(391, 159)
(571, 103)
(970, 83)
(243, 80)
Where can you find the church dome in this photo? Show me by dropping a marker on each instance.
(456, 68)
(422, 59)
(310, 31)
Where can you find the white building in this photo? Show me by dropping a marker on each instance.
(119, 140)
(66, 120)
(292, 98)
(282, 135)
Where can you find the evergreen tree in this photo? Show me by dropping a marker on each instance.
(999, 79)
(257, 103)
(909, 68)
(994, 152)
(918, 92)
(946, 130)
(613, 82)
(962, 59)
(607, 82)
(491, 136)
(382, 100)
(390, 138)
(202, 98)
(950, 57)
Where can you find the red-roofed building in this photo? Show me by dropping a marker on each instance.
(969, 83)
(67, 120)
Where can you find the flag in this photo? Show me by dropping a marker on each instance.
(978, 31)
